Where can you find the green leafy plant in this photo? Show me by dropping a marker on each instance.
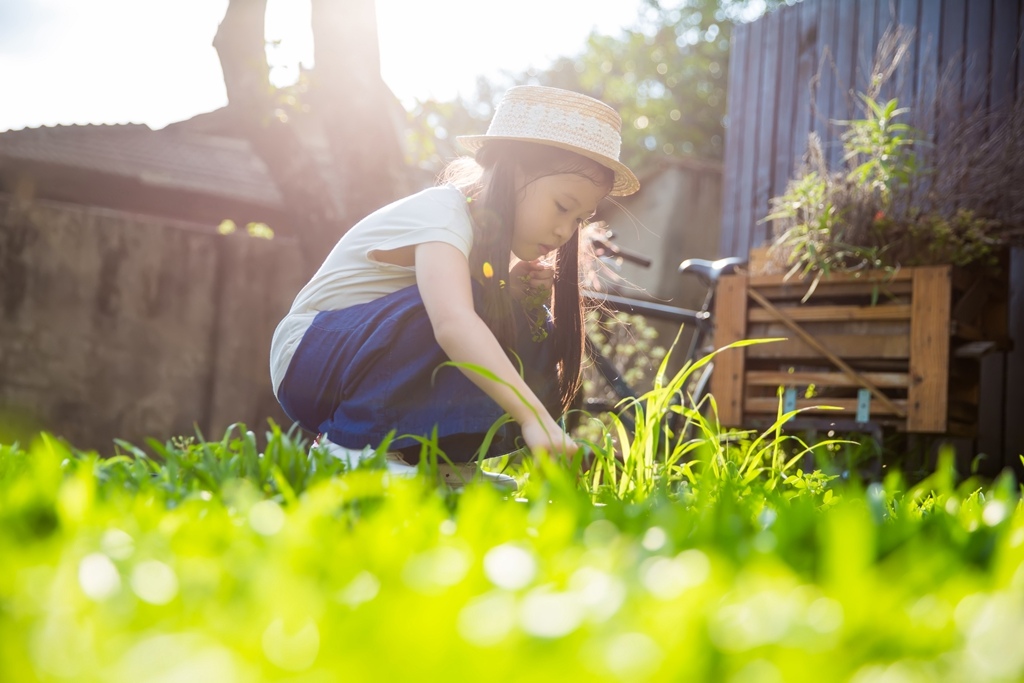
(867, 217)
(904, 197)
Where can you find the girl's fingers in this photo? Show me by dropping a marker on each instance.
(542, 278)
(538, 271)
(536, 274)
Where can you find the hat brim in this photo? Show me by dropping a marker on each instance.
(625, 182)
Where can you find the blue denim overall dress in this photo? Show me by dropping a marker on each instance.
(362, 372)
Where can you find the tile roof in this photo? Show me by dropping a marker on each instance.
(175, 159)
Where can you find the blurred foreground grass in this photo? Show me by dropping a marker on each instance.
(201, 561)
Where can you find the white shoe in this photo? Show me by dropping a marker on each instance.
(454, 476)
(457, 476)
(353, 457)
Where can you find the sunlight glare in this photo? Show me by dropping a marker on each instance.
(289, 35)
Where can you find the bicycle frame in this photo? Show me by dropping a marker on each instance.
(708, 272)
(681, 316)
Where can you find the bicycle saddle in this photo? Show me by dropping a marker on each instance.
(710, 271)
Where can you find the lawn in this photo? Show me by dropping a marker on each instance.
(211, 561)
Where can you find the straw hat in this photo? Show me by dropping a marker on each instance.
(563, 119)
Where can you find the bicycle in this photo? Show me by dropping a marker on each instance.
(708, 272)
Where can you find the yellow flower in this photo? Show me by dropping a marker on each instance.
(488, 270)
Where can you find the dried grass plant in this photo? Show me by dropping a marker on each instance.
(931, 184)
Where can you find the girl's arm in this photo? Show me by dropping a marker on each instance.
(443, 279)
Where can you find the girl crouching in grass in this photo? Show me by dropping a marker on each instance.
(482, 270)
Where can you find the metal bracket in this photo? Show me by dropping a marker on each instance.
(863, 405)
(789, 400)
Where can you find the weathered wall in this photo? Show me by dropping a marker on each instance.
(114, 325)
(676, 215)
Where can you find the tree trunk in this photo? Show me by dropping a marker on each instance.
(361, 117)
(240, 45)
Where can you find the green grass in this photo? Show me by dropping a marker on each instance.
(706, 558)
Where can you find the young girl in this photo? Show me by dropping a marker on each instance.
(455, 273)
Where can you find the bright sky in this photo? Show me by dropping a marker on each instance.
(152, 61)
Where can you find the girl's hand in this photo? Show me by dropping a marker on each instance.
(544, 434)
(530, 278)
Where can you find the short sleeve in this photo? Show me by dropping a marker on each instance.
(439, 216)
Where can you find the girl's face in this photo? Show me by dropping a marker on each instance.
(550, 209)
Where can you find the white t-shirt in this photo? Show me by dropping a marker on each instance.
(351, 276)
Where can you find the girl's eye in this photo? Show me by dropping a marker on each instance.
(561, 209)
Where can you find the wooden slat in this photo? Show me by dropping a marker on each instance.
(907, 17)
(1004, 42)
(929, 350)
(886, 293)
(885, 21)
(951, 66)
(817, 328)
(875, 329)
(964, 412)
(784, 169)
(748, 161)
(964, 393)
(767, 124)
(927, 46)
(866, 41)
(990, 416)
(1012, 402)
(904, 275)
(954, 24)
(848, 405)
(962, 430)
(764, 378)
(977, 57)
(826, 79)
(734, 143)
(730, 326)
(967, 331)
(1020, 57)
(807, 62)
(833, 313)
(843, 107)
(844, 346)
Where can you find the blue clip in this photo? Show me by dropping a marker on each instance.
(863, 405)
(789, 400)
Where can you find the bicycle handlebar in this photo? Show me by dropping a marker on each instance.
(649, 308)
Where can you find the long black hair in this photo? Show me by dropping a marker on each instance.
(493, 199)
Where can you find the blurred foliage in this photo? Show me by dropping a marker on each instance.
(667, 76)
(718, 558)
(216, 562)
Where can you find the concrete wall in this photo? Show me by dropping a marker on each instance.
(114, 325)
(676, 215)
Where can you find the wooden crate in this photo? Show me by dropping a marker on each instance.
(911, 340)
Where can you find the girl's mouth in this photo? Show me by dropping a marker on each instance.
(547, 248)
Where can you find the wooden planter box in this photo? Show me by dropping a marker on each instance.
(895, 350)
